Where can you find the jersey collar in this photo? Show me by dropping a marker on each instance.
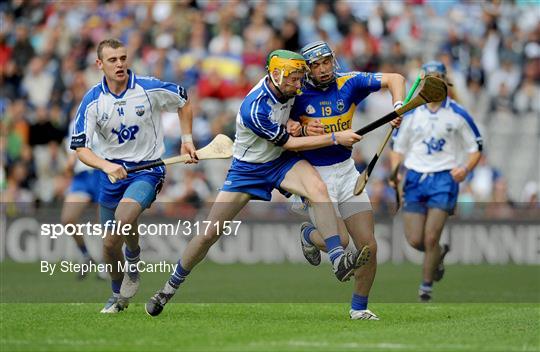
(130, 85)
(444, 105)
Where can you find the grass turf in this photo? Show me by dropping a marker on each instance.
(282, 283)
(271, 327)
(264, 307)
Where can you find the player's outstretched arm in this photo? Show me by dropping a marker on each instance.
(395, 83)
(87, 156)
(185, 114)
(345, 138)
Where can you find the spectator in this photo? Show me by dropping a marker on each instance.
(290, 35)
(226, 43)
(482, 180)
(508, 75)
(38, 83)
(527, 98)
(23, 51)
(493, 45)
(500, 206)
(17, 184)
(361, 48)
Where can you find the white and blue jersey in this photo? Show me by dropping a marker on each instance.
(433, 143)
(260, 125)
(129, 131)
(259, 163)
(128, 125)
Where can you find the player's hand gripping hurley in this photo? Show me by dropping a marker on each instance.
(219, 148)
(433, 90)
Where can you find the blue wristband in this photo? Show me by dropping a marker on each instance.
(334, 140)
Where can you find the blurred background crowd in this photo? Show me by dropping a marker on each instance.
(217, 50)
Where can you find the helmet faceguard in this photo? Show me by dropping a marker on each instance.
(316, 51)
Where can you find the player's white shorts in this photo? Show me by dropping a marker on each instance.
(340, 180)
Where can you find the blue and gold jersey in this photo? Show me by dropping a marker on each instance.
(335, 107)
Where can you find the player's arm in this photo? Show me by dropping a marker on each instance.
(260, 123)
(82, 135)
(395, 83)
(314, 127)
(400, 141)
(460, 173)
(87, 156)
(172, 98)
(185, 114)
(70, 163)
(472, 141)
(346, 138)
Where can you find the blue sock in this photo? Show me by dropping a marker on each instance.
(359, 302)
(178, 276)
(132, 257)
(334, 248)
(306, 233)
(84, 250)
(426, 286)
(115, 285)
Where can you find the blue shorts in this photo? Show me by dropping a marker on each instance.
(86, 182)
(142, 186)
(258, 180)
(430, 190)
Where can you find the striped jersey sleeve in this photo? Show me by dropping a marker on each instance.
(165, 95)
(469, 132)
(85, 120)
(256, 115)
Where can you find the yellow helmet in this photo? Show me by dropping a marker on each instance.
(285, 61)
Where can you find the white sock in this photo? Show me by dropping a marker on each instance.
(168, 289)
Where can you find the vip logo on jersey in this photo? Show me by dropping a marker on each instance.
(310, 109)
(126, 133)
(449, 127)
(434, 145)
(139, 110)
(340, 105)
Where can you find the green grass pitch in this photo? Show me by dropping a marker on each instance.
(267, 307)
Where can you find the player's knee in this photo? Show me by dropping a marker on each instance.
(112, 245)
(431, 241)
(208, 239)
(416, 243)
(372, 245)
(124, 218)
(67, 219)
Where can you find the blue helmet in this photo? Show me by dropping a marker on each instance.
(315, 51)
(434, 67)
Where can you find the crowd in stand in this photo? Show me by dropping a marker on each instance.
(217, 50)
